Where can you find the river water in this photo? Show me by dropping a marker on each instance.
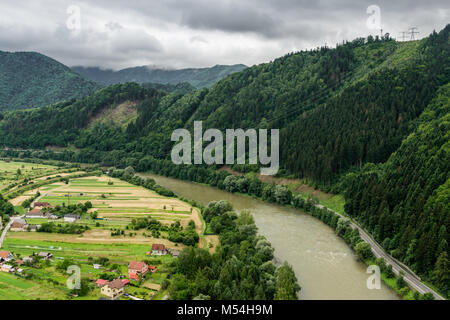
(324, 264)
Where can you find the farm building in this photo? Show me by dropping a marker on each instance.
(41, 205)
(18, 226)
(45, 255)
(158, 249)
(36, 213)
(71, 218)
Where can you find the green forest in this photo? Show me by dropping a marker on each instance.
(368, 119)
(241, 268)
(30, 80)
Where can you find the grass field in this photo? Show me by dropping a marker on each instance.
(9, 171)
(15, 288)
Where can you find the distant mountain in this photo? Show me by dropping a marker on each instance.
(198, 77)
(180, 88)
(30, 80)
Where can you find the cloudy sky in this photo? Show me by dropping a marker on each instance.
(199, 33)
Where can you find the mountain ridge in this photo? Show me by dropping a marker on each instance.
(198, 77)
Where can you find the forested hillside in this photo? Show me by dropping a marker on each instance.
(405, 203)
(197, 77)
(30, 80)
(368, 118)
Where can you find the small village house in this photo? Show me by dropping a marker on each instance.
(158, 249)
(41, 205)
(71, 218)
(18, 226)
(45, 255)
(137, 269)
(97, 266)
(113, 289)
(6, 256)
(7, 268)
(36, 213)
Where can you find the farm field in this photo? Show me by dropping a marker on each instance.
(9, 171)
(117, 202)
(114, 204)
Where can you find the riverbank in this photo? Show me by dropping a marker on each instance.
(326, 267)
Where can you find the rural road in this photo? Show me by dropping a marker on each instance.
(410, 277)
(2, 238)
(5, 231)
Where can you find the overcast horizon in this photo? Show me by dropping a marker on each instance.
(186, 33)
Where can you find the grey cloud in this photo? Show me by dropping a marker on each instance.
(198, 33)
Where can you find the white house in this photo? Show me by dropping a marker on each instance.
(7, 268)
(71, 218)
(45, 255)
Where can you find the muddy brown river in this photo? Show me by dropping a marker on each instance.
(325, 265)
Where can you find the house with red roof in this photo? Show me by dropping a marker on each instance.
(113, 289)
(159, 249)
(41, 204)
(6, 256)
(100, 282)
(137, 269)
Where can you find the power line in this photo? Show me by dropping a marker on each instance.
(412, 32)
(311, 99)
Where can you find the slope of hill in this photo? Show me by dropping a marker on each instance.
(30, 80)
(405, 203)
(199, 78)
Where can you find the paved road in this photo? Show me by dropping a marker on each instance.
(2, 238)
(410, 277)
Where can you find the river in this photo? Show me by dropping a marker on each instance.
(324, 264)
